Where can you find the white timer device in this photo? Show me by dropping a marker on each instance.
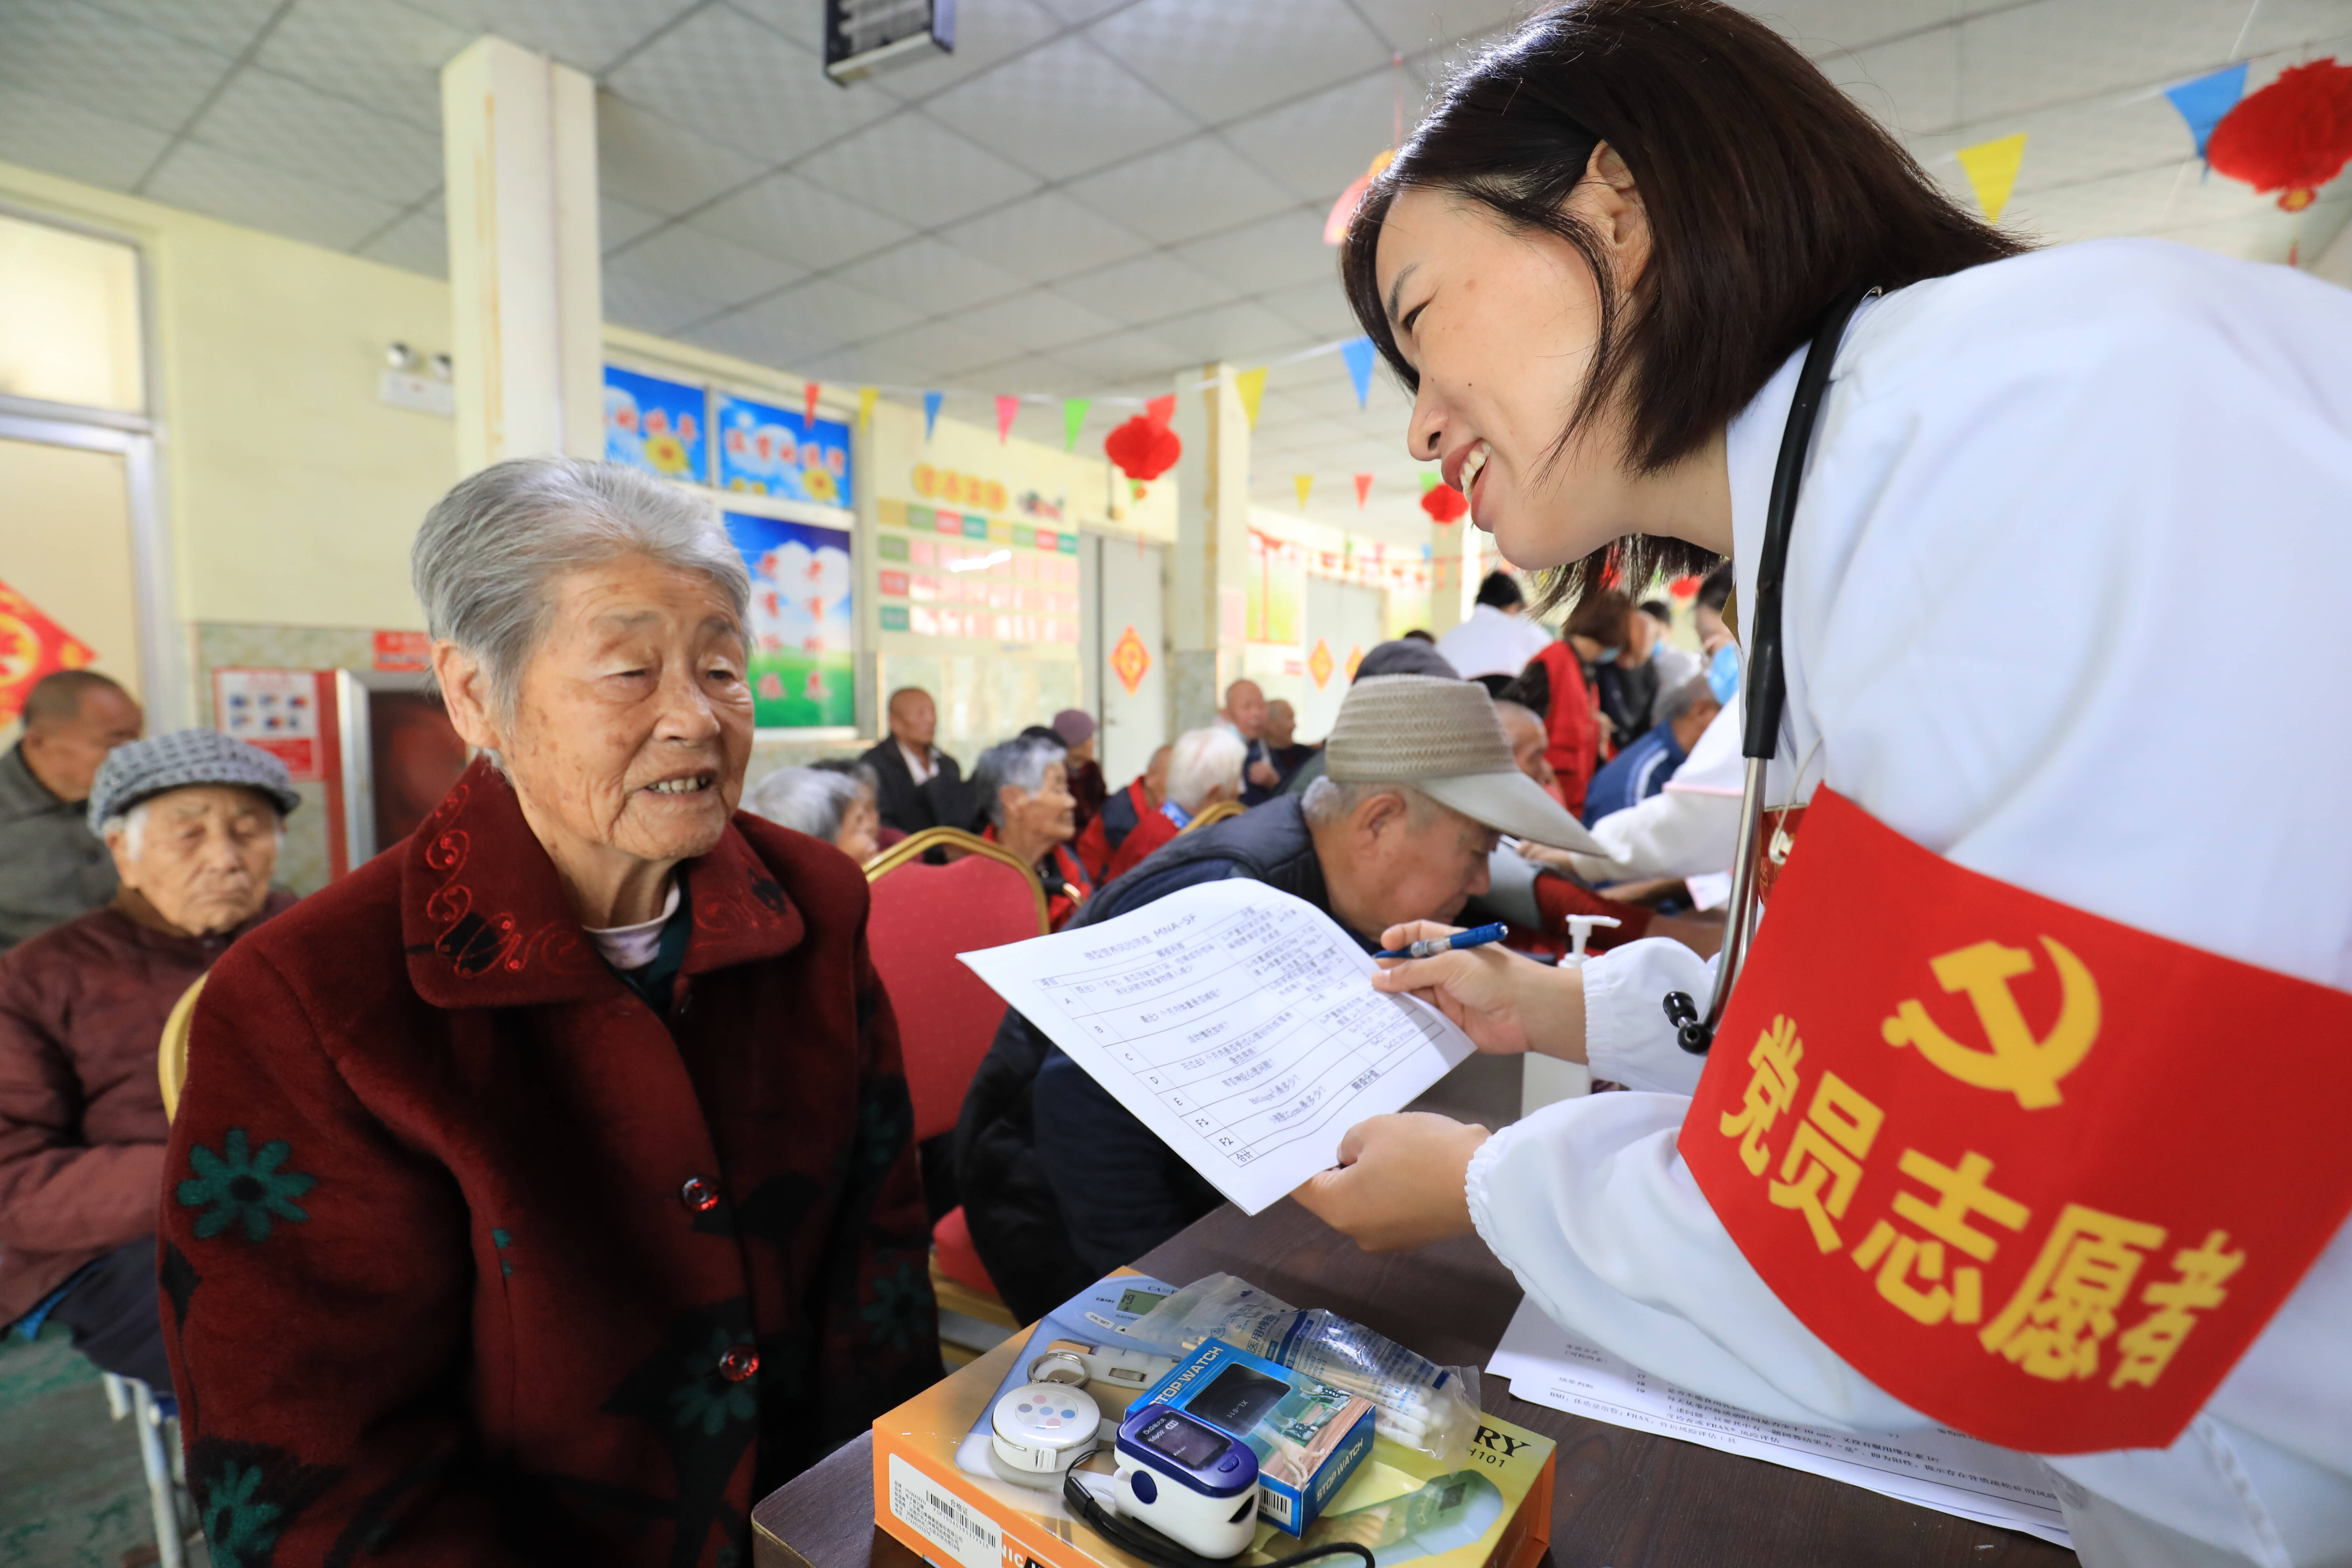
(1042, 1429)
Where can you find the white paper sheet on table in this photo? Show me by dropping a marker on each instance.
(1237, 1022)
(1938, 1468)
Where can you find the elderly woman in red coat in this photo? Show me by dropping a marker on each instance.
(543, 1191)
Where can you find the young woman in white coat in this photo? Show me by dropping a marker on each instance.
(1602, 264)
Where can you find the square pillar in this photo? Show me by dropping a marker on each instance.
(1209, 607)
(526, 284)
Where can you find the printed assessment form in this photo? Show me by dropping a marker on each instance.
(1236, 1022)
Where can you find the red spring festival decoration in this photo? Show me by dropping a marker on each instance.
(2292, 136)
(1443, 503)
(1144, 448)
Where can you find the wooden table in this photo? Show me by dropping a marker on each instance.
(1623, 1499)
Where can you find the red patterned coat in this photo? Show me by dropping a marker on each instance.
(468, 1256)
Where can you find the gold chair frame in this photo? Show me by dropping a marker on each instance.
(172, 1053)
(914, 846)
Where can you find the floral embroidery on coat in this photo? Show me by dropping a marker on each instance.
(237, 1187)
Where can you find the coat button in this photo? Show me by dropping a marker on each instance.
(739, 1363)
(699, 1194)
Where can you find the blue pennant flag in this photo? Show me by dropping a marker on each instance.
(2204, 102)
(1358, 352)
(931, 412)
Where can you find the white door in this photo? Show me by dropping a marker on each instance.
(1343, 622)
(1124, 651)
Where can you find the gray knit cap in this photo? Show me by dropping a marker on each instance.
(145, 769)
(1443, 738)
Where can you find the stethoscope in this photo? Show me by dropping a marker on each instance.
(1766, 681)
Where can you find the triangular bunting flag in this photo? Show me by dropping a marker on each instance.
(1363, 490)
(867, 397)
(2203, 101)
(1006, 407)
(931, 412)
(1250, 385)
(1302, 483)
(1991, 168)
(1073, 417)
(810, 394)
(1161, 410)
(1429, 480)
(1136, 488)
(1358, 352)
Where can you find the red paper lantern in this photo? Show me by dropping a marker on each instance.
(1443, 503)
(1683, 587)
(2293, 137)
(1144, 449)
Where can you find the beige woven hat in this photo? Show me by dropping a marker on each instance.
(1442, 738)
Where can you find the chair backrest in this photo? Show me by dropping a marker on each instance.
(925, 915)
(172, 1053)
(1209, 817)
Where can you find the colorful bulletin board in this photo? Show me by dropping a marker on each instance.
(803, 666)
(769, 451)
(655, 426)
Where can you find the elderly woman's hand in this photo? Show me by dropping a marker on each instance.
(1505, 1002)
(1400, 1183)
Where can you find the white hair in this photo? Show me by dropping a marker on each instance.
(1021, 763)
(1202, 760)
(490, 550)
(1328, 802)
(810, 800)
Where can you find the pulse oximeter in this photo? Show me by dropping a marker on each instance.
(1194, 1484)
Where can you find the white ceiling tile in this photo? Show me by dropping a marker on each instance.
(1046, 235)
(1148, 288)
(861, 366)
(1240, 331)
(643, 159)
(1318, 146)
(726, 78)
(388, 57)
(1197, 186)
(687, 262)
(1127, 356)
(417, 243)
(1816, 25)
(826, 313)
(798, 20)
(225, 26)
(619, 222)
(946, 347)
(1436, 68)
(787, 216)
(2284, 24)
(1032, 375)
(1320, 308)
(1221, 58)
(282, 123)
(1060, 110)
(1911, 85)
(1413, 24)
(589, 34)
(917, 171)
(1080, 10)
(1039, 319)
(223, 185)
(1272, 253)
(930, 278)
(2055, 51)
(60, 137)
(986, 31)
(106, 64)
(648, 304)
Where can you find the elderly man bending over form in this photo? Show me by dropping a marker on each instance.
(1061, 1184)
(543, 1189)
(192, 820)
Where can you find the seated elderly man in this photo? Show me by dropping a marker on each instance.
(1026, 793)
(1061, 1184)
(191, 822)
(837, 806)
(52, 867)
(1204, 770)
(1099, 841)
(543, 1189)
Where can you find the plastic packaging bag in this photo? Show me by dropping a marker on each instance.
(1415, 1402)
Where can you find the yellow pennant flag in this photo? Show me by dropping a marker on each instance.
(1304, 482)
(867, 398)
(1991, 168)
(1250, 385)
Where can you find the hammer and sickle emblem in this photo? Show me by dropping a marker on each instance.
(2018, 1063)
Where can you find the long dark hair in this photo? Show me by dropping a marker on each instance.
(1768, 192)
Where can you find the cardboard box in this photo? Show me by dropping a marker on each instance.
(1307, 1435)
(935, 1491)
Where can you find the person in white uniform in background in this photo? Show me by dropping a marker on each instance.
(2050, 449)
(1499, 638)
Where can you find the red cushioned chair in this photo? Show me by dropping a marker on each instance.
(923, 916)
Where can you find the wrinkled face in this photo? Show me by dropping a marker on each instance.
(1501, 328)
(914, 720)
(1245, 706)
(860, 836)
(203, 856)
(64, 753)
(1528, 743)
(1281, 724)
(1424, 870)
(632, 722)
(1047, 815)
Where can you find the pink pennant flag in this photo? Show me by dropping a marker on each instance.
(1363, 490)
(1007, 406)
(810, 395)
(1161, 410)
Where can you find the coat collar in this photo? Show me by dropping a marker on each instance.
(485, 923)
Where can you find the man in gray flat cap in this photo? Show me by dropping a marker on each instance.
(1060, 1184)
(192, 820)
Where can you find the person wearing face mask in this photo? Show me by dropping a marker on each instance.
(1024, 787)
(1973, 1137)
(545, 1189)
(1600, 629)
(192, 821)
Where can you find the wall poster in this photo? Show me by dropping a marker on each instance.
(766, 451)
(655, 426)
(803, 665)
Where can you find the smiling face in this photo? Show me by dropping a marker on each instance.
(1245, 708)
(632, 725)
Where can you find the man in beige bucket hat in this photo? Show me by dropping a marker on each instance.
(1059, 1183)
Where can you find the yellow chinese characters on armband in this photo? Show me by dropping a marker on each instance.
(1951, 1144)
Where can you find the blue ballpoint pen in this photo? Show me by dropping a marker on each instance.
(1429, 947)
